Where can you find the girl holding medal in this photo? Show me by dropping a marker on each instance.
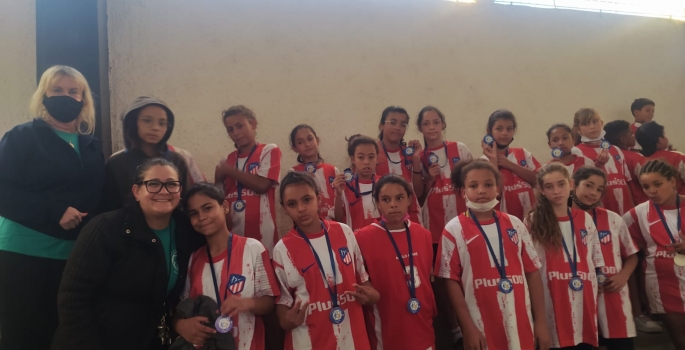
(589, 139)
(321, 271)
(656, 227)
(617, 328)
(398, 256)
(305, 143)
(491, 268)
(249, 177)
(567, 244)
(440, 203)
(517, 165)
(353, 201)
(560, 141)
(242, 278)
(399, 157)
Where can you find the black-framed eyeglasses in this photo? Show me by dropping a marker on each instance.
(154, 186)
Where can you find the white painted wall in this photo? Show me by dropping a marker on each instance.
(17, 61)
(336, 64)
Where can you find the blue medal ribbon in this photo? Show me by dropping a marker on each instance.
(241, 206)
(413, 305)
(223, 324)
(663, 219)
(337, 315)
(505, 285)
(576, 283)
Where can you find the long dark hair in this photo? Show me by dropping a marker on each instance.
(544, 224)
(293, 133)
(384, 116)
(297, 178)
(419, 120)
(647, 135)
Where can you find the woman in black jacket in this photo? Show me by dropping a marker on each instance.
(52, 173)
(127, 269)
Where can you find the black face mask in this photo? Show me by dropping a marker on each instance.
(63, 108)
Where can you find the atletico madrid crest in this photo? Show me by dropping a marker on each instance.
(236, 283)
(513, 235)
(583, 237)
(605, 237)
(345, 256)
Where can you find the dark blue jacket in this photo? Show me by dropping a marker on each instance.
(41, 176)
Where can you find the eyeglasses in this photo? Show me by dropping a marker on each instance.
(394, 123)
(154, 186)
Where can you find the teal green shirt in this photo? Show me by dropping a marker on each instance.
(167, 236)
(71, 139)
(20, 239)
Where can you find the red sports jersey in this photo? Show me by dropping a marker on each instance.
(251, 276)
(504, 319)
(324, 176)
(572, 315)
(518, 196)
(664, 280)
(577, 163)
(265, 161)
(389, 324)
(360, 211)
(633, 129)
(442, 204)
(301, 279)
(634, 162)
(615, 312)
(617, 197)
(395, 162)
(676, 159)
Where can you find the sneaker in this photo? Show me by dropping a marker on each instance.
(645, 324)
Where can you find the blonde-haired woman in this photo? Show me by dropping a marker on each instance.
(53, 173)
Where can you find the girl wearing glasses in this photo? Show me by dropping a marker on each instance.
(127, 269)
(249, 177)
(399, 157)
(148, 123)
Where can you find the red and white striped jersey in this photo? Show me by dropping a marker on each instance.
(504, 319)
(259, 208)
(677, 160)
(664, 280)
(577, 163)
(518, 196)
(442, 204)
(389, 324)
(572, 315)
(615, 312)
(251, 276)
(301, 279)
(633, 128)
(634, 162)
(617, 196)
(360, 211)
(324, 176)
(397, 163)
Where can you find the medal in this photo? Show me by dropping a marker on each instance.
(239, 205)
(433, 159)
(337, 315)
(604, 144)
(413, 305)
(505, 285)
(679, 259)
(348, 175)
(576, 284)
(310, 168)
(488, 140)
(409, 151)
(223, 324)
(601, 278)
(556, 153)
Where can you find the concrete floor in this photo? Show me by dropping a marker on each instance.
(654, 341)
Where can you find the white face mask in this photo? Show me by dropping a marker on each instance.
(587, 139)
(481, 207)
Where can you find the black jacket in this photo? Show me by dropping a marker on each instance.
(41, 176)
(114, 288)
